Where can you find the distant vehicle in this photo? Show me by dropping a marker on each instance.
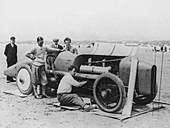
(107, 69)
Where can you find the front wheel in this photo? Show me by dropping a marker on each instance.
(109, 92)
(23, 80)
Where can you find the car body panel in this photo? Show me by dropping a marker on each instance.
(13, 70)
(145, 79)
(113, 49)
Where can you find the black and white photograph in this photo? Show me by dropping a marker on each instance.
(84, 64)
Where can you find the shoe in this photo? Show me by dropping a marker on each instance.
(8, 81)
(38, 96)
(13, 80)
(45, 96)
(89, 108)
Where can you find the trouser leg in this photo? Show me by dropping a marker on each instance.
(43, 90)
(35, 90)
(71, 99)
(43, 80)
(36, 82)
(39, 92)
(8, 78)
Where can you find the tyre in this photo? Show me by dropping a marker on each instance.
(109, 92)
(24, 82)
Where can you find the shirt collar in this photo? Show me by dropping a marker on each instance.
(12, 44)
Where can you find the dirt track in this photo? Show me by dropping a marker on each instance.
(16, 112)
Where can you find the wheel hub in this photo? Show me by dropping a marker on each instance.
(24, 81)
(105, 93)
(21, 81)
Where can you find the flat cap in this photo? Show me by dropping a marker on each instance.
(67, 39)
(55, 40)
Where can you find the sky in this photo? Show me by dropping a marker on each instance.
(109, 20)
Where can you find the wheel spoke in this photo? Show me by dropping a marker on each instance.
(108, 92)
(111, 91)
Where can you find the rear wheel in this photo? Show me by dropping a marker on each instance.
(23, 80)
(109, 92)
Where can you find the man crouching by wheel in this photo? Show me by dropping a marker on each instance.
(64, 92)
(39, 78)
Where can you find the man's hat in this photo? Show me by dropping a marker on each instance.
(67, 39)
(12, 38)
(55, 40)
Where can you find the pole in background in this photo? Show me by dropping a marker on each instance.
(154, 64)
(159, 93)
(155, 56)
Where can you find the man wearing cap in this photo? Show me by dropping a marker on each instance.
(57, 46)
(68, 46)
(11, 55)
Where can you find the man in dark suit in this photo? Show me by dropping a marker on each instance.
(57, 46)
(11, 54)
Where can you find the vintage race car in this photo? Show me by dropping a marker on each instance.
(107, 70)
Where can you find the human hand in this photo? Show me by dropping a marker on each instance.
(84, 82)
(33, 58)
(63, 49)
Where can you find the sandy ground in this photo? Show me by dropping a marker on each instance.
(17, 112)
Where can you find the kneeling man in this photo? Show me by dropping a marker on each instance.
(65, 97)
